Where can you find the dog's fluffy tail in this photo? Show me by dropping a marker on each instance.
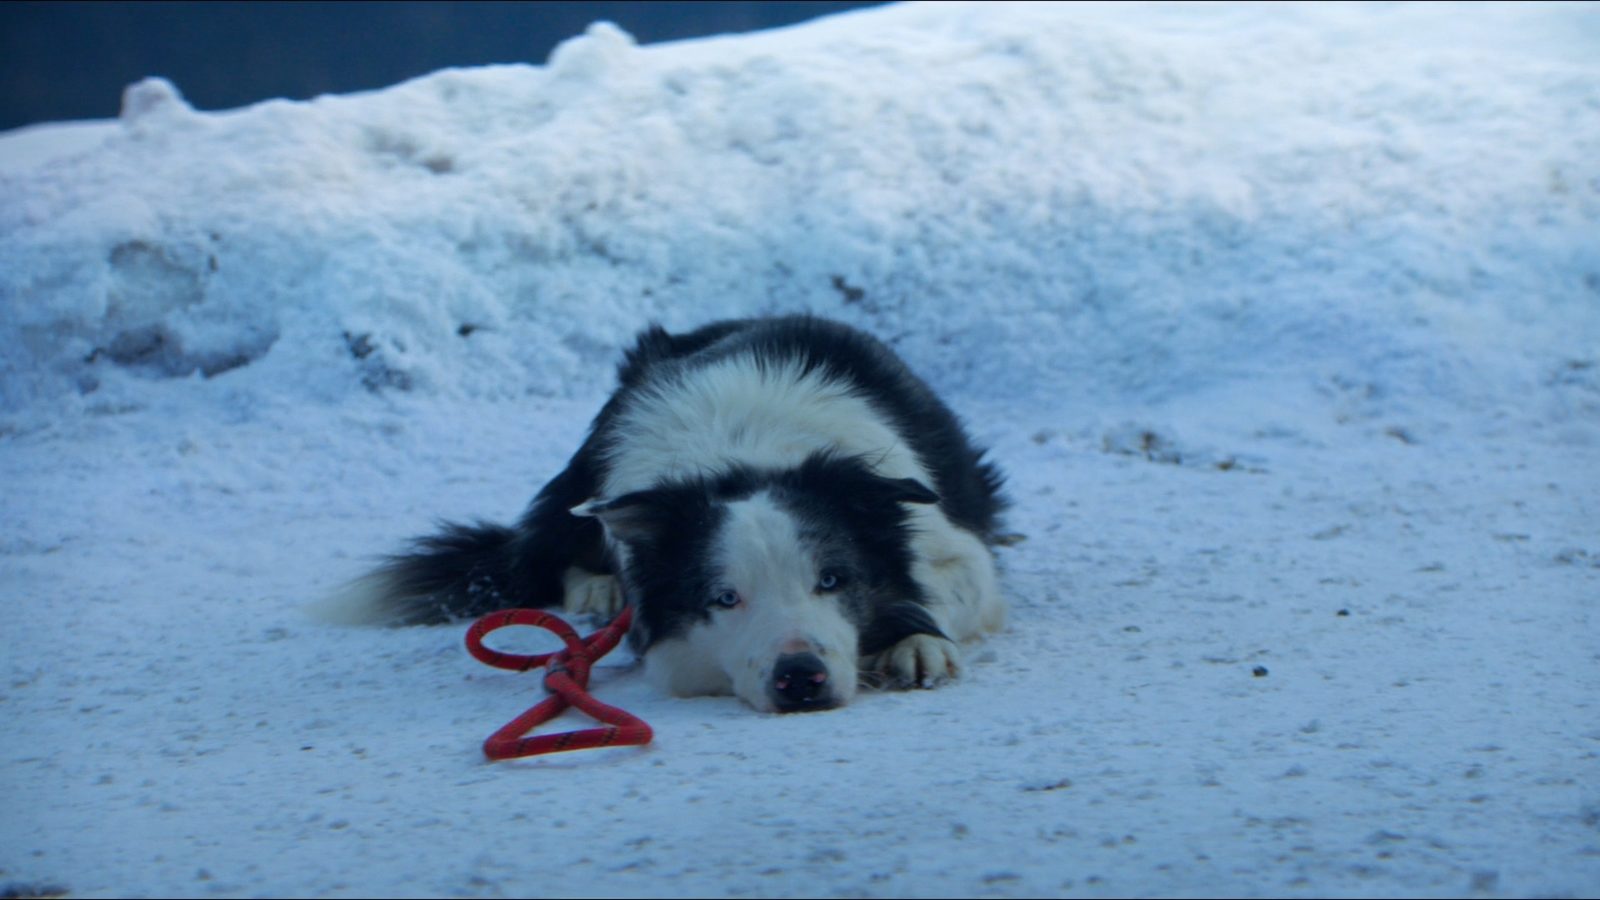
(463, 571)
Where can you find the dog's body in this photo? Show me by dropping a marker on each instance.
(783, 502)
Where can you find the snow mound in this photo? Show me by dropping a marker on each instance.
(1152, 198)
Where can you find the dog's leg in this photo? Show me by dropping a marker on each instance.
(904, 647)
(957, 575)
(587, 593)
(921, 660)
(961, 600)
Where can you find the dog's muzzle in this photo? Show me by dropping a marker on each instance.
(800, 684)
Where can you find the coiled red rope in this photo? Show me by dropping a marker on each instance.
(566, 678)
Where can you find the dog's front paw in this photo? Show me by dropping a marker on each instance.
(591, 594)
(921, 660)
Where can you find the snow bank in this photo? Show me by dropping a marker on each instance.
(1160, 196)
(1282, 320)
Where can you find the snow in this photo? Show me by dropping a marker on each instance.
(1282, 319)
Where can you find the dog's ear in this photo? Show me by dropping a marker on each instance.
(908, 490)
(629, 517)
(851, 480)
(871, 491)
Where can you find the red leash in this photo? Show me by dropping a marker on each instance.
(567, 680)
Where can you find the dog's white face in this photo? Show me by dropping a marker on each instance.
(777, 635)
(768, 585)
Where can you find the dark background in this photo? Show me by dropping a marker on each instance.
(61, 61)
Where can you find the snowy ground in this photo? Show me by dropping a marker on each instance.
(1283, 320)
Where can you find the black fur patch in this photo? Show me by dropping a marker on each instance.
(894, 622)
(461, 567)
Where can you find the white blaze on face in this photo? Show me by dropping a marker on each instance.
(759, 554)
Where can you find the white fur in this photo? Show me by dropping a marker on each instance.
(368, 600)
(957, 574)
(681, 666)
(372, 599)
(736, 411)
(762, 558)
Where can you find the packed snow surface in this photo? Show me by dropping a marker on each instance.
(1284, 322)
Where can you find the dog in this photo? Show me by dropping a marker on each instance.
(789, 510)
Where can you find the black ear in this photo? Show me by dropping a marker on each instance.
(631, 516)
(850, 482)
(908, 490)
(871, 491)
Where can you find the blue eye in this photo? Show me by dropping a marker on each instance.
(830, 581)
(727, 600)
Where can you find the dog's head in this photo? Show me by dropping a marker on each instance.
(765, 584)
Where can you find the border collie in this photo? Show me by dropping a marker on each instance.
(788, 508)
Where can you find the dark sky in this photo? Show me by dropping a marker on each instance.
(61, 61)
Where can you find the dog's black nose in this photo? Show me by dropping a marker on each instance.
(800, 682)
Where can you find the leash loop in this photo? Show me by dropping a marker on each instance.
(566, 678)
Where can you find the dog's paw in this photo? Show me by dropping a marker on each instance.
(590, 594)
(921, 660)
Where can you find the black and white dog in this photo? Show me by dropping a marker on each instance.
(786, 506)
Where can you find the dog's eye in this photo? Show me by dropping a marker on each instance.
(830, 581)
(726, 600)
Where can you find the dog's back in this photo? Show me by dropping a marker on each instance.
(767, 392)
